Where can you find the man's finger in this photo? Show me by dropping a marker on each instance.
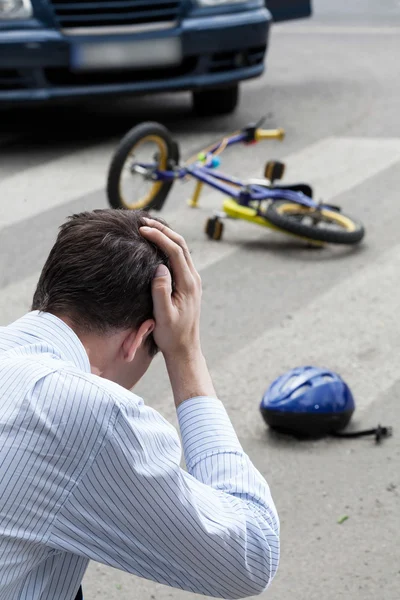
(175, 237)
(161, 291)
(181, 270)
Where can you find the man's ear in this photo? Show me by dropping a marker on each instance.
(135, 338)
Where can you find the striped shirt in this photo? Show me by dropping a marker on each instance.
(89, 472)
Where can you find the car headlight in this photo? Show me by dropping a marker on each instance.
(15, 9)
(220, 2)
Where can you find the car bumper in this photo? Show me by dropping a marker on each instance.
(35, 65)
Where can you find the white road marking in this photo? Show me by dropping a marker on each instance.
(52, 184)
(359, 345)
(335, 30)
(332, 166)
(336, 164)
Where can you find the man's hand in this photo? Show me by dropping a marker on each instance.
(177, 314)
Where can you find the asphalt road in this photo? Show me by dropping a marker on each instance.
(269, 303)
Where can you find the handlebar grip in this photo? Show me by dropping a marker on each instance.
(269, 134)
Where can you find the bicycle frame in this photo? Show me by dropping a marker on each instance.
(205, 173)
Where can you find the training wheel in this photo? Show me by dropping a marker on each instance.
(214, 228)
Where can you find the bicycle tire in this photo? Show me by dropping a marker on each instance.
(281, 212)
(158, 193)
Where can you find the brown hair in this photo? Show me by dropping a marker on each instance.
(99, 272)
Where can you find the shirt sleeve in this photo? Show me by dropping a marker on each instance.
(211, 530)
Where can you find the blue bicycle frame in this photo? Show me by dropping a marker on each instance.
(205, 172)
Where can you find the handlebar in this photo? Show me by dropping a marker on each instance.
(249, 134)
(269, 134)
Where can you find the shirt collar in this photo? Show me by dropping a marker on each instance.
(48, 328)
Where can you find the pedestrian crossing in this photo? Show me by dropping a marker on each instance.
(53, 184)
(332, 164)
(335, 166)
(367, 337)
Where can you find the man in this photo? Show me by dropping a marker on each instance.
(87, 470)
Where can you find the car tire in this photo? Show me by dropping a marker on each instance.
(216, 101)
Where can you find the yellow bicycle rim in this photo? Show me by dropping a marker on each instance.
(155, 188)
(331, 215)
(246, 213)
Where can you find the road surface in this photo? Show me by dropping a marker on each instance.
(269, 303)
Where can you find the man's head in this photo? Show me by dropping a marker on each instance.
(98, 277)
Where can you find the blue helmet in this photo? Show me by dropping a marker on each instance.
(308, 402)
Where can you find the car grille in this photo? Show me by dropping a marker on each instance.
(82, 14)
(13, 79)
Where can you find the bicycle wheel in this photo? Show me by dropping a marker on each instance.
(147, 143)
(324, 225)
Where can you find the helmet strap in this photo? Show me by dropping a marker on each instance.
(379, 432)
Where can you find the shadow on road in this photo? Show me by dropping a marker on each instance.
(293, 249)
(99, 120)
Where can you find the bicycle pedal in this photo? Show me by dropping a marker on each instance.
(274, 170)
